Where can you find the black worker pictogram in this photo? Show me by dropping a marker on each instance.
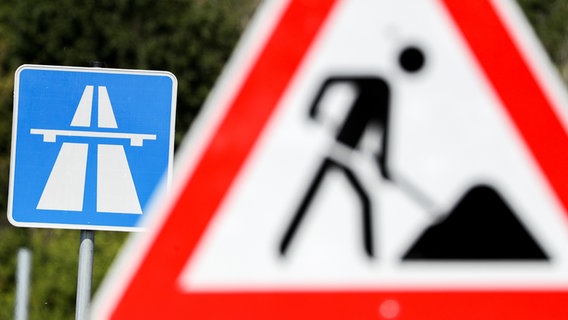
(481, 226)
(370, 108)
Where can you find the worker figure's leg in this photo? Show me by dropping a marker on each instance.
(307, 200)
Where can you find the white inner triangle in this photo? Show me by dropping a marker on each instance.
(448, 133)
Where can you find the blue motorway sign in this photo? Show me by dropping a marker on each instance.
(89, 146)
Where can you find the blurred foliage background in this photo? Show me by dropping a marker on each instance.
(190, 38)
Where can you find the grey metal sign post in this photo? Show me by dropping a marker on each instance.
(85, 274)
(23, 284)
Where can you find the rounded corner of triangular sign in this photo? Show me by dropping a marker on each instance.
(481, 226)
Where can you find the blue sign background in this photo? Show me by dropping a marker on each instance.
(47, 98)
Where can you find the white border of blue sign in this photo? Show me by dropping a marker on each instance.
(63, 225)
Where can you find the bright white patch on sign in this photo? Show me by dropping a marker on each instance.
(116, 192)
(335, 104)
(389, 309)
(82, 117)
(66, 183)
(106, 115)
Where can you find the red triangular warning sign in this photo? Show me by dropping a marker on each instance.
(364, 160)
